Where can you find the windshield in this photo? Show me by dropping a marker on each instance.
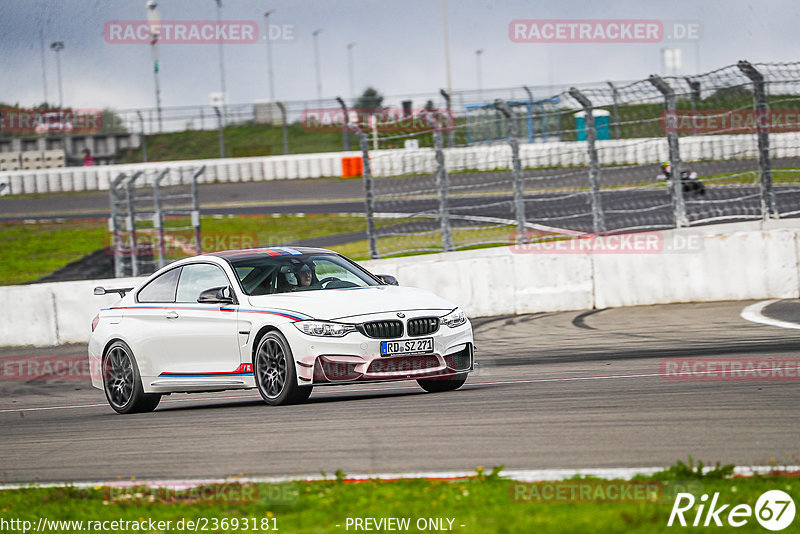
(304, 272)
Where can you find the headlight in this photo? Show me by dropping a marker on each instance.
(454, 318)
(320, 328)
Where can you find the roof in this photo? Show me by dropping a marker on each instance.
(267, 251)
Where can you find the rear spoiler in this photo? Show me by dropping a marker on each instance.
(99, 290)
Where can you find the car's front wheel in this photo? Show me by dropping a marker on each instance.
(438, 385)
(275, 373)
(123, 384)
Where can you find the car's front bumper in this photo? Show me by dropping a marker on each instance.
(357, 358)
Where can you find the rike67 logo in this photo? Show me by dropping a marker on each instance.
(774, 510)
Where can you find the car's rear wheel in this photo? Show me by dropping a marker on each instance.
(123, 384)
(275, 374)
(438, 385)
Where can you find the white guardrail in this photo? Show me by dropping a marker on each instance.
(736, 261)
(396, 161)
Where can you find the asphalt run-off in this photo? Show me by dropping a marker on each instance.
(551, 391)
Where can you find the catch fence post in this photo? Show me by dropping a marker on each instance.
(519, 185)
(761, 109)
(670, 117)
(442, 181)
(598, 217)
(369, 195)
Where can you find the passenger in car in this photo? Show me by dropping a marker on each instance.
(287, 281)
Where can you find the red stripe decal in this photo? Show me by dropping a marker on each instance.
(270, 252)
(242, 369)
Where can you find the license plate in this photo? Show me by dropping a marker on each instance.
(407, 346)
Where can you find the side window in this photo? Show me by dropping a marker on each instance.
(161, 289)
(198, 277)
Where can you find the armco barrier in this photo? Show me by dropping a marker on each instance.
(635, 151)
(730, 262)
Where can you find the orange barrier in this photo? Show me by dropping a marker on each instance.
(352, 167)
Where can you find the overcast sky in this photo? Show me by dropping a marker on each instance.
(399, 47)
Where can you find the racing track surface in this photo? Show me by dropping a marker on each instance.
(552, 390)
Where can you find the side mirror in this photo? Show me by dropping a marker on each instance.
(388, 279)
(216, 295)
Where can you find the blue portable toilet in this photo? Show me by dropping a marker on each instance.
(602, 121)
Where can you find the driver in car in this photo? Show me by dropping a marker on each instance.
(305, 276)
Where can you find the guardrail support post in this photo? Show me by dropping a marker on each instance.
(670, 105)
(598, 217)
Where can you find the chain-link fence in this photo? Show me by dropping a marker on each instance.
(155, 218)
(259, 128)
(651, 154)
(203, 117)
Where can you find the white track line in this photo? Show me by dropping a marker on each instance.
(753, 313)
(520, 475)
(671, 375)
(190, 399)
(101, 404)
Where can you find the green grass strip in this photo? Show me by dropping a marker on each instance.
(485, 503)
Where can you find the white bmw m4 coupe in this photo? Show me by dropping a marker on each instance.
(282, 320)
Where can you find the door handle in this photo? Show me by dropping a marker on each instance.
(171, 315)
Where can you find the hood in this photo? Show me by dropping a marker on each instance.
(332, 304)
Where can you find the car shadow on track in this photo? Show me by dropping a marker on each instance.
(356, 396)
(332, 396)
(189, 405)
